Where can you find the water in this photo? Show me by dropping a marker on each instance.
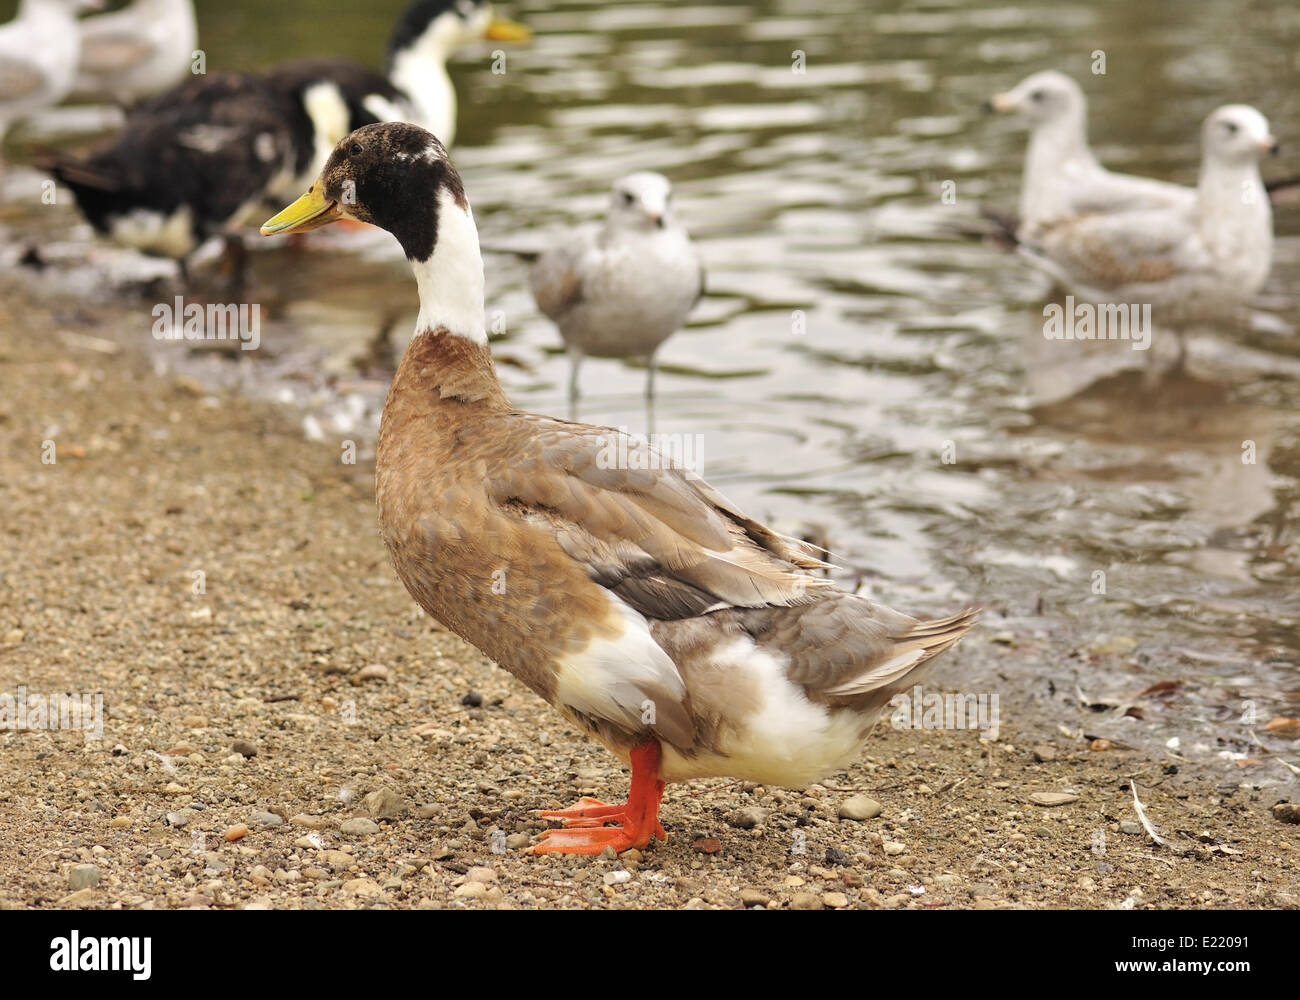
(920, 420)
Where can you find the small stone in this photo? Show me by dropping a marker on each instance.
(309, 843)
(1286, 812)
(859, 807)
(265, 819)
(175, 789)
(337, 859)
(260, 875)
(617, 877)
(366, 887)
(835, 900)
(747, 818)
(1044, 754)
(13, 637)
(754, 897)
(472, 699)
(1130, 827)
(471, 890)
(482, 874)
(805, 901)
(83, 877)
(1100, 746)
(1004, 638)
(384, 803)
(82, 897)
(517, 841)
(375, 672)
(707, 845)
(244, 748)
(793, 881)
(308, 822)
(179, 817)
(1050, 799)
(359, 826)
(836, 857)
(237, 832)
(120, 822)
(894, 848)
(195, 722)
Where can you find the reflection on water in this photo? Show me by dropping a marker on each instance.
(855, 366)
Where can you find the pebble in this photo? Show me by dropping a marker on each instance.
(237, 832)
(1044, 754)
(1050, 799)
(374, 672)
(471, 890)
(308, 822)
(859, 807)
(472, 699)
(178, 818)
(1286, 812)
(707, 845)
(894, 848)
(517, 841)
(805, 901)
(367, 887)
(482, 874)
(265, 819)
(835, 900)
(754, 897)
(83, 877)
(359, 826)
(337, 859)
(1128, 826)
(747, 818)
(384, 803)
(244, 748)
(82, 897)
(175, 789)
(13, 637)
(617, 877)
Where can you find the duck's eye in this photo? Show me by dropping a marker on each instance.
(1038, 95)
(1231, 127)
(355, 149)
(628, 197)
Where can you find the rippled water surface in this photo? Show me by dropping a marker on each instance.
(856, 366)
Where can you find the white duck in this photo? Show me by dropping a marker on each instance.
(690, 639)
(137, 51)
(39, 50)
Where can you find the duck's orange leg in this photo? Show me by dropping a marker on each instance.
(637, 820)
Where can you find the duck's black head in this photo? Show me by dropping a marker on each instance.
(387, 174)
(440, 27)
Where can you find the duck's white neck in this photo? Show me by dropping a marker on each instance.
(420, 72)
(451, 280)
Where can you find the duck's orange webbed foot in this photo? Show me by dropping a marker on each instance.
(636, 821)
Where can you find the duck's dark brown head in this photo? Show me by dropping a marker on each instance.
(388, 174)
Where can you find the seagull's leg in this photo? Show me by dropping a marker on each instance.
(650, 395)
(575, 362)
(637, 819)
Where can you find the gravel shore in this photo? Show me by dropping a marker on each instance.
(282, 728)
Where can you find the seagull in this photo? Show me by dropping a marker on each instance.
(1062, 176)
(688, 638)
(1186, 261)
(621, 289)
(38, 57)
(138, 51)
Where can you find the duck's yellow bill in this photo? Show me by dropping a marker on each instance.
(502, 30)
(311, 211)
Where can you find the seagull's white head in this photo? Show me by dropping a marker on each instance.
(1237, 133)
(641, 201)
(1042, 98)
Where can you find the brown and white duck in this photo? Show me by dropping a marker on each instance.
(690, 639)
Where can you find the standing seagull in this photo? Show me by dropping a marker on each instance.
(621, 289)
(691, 640)
(1062, 176)
(38, 58)
(138, 51)
(1188, 262)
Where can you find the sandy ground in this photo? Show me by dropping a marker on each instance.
(299, 735)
